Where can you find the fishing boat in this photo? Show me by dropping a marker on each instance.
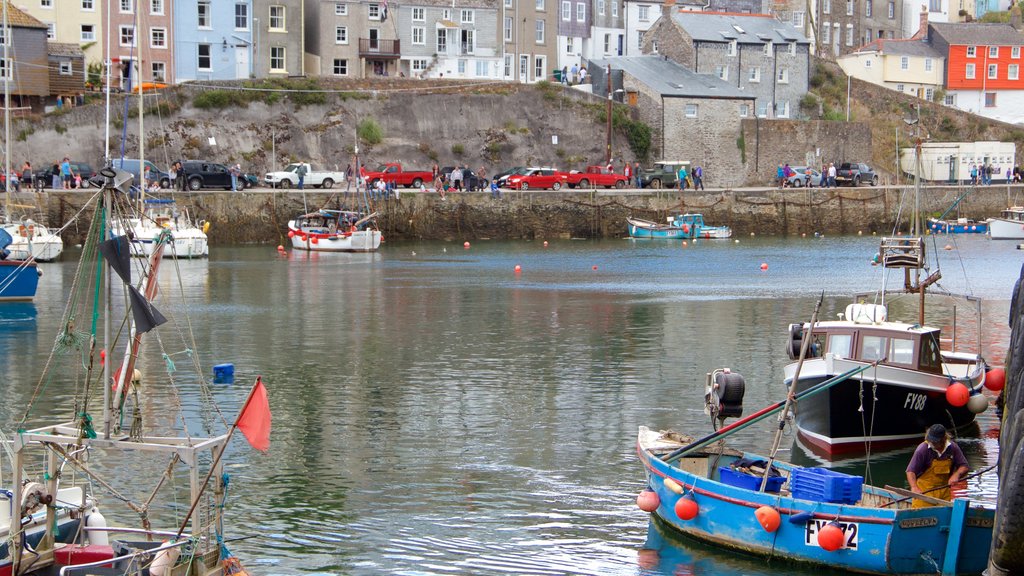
(677, 227)
(19, 279)
(188, 240)
(754, 503)
(334, 231)
(958, 226)
(1009, 225)
(151, 458)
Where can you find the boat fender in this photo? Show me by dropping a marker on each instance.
(957, 395)
(687, 508)
(672, 485)
(34, 497)
(768, 518)
(164, 561)
(977, 403)
(648, 500)
(995, 379)
(96, 520)
(801, 518)
(796, 337)
(206, 227)
(730, 387)
(831, 537)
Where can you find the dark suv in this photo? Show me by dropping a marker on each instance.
(853, 173)
(200, 174)
(46, 173)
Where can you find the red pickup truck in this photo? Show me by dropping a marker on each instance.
(595, 176)
(393, 174)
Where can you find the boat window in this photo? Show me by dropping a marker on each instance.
(931, 354)
(839, 345)
(871, 347)
(901, 351)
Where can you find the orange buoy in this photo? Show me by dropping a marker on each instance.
(316, 240)
(686, 228)
(957, 394)
(831, 537)
(291, 233)
(684, 244)
(103, 357)
(280, 248)
(465, 244)
(995, 379)
(768, 517)
(764, 266)
(518, 268)
(948, 247)
(648, 500)
(545, 243)
(594, 267)
(686, 508)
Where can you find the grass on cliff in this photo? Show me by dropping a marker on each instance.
(299, 91)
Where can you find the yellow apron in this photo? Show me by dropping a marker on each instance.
(935, 476)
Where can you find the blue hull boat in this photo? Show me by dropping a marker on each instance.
(678, 227)
(959, 226)
(18, 280)
(870, 530)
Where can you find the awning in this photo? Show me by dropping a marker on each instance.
(446, 24)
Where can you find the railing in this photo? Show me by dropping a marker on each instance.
(376, 47)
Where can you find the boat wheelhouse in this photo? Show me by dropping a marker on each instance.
(1009, 225)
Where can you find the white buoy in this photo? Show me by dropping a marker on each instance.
(96, 520)
(164, 561)
(977, 404)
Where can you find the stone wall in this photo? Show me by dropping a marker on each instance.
(709, 140)
(768, 143)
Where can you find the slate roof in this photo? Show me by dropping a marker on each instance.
(907, 47)
(977, 34)
(64, 49)
(744, 28)
(18, 19)
(673, 80)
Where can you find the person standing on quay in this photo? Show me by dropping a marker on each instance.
(301, 173)
(698, 178)
(65, 173)
(627, 172)
(682, 178)
(636, 173)
(832, 175)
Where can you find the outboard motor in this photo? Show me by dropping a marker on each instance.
(723, 396)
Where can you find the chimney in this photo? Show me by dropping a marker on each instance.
(666, 8)
(922, 30)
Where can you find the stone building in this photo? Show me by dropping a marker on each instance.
(756, 53)
(279, 48)
(845, 25)
(692, 116)
(640, 15)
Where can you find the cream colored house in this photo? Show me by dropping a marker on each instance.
(78, 22)
(909, 66)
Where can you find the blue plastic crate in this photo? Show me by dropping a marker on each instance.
(824, 485)
(224, 373)
(727, 475)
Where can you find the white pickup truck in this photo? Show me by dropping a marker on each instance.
(288, 178)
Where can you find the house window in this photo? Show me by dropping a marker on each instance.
(159, 71)
(993, 51)
(419, 15)
(990, 99)
(277, 58)
(969, 71)
(467, 42)
(373, 12)
(341, 35)
(993, 71)
(643, 13)
(539, 67)
(482, 69)
(1015, 52)
(950, 100)
(88, 5)
(826, 27)
(849, 7)
(798, 19)
(419, 35)
(929, 93)
(158, 37)
(868, 8)
(732, 48)
(419, 65)
(65, 68)
(615, 8)
(904, 63)
(51, 30)
(899, 87)
(540, 31)
(126, 6)
(754, 75)
(339, 67)
(783, 76)
(156, 7)
(508, 3)
(203, 13)
(722, 72)
(762, 109)
(566, 10)
(570, 45)
(127, 35)
(204, 60)
(241, 16)
(826, 6)
(769, 50)
(600, 7)
(935, 5)
(88, 33)
(972, 51)
(341, 9)
(508, 29)
(744, 110)
(442, 41)
(928, 66)
(461, 67)
(581, 12)
(691, 110)
(277, 17)
(507, 68)
(607, 43)
(867, 63)
(466, 16)
(892, 10)
(1012, 71)
(539, 5)
(849, 34)
(4, 68)
(782, 109)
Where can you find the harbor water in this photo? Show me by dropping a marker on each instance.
(437, 412)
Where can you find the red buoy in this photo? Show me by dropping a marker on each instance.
(957, 395)
(545, 243)
(686, 508)
(995, 379)
(103, 357)
(315, 240)
(291, 233)
(594, 267)
(831, 537)
(648, 500)
(519, 268)
(465, 244)
(280, 248)
(764, 265)
(768, 517)
(686, 228)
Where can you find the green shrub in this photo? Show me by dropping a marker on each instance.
(370, 132)
(218, 99)
(60, 128)
(458, 149)
(24, 134)
(741, 143)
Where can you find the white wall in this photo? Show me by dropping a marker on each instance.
(1009, 104)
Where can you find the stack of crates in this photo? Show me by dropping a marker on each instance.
(824, 485)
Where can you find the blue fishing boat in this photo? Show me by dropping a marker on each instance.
(18, 278)
(745, 501)
(678, 226)
(958, 226)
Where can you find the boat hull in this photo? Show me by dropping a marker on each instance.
(898, 406)
(358, 241)
(645, 229)
(956, 227)
(184, 244)
(18, 280)
(1003, 229)
(877, 540)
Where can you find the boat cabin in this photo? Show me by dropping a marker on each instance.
(866, 335)
(1014, 213)
(324, 222)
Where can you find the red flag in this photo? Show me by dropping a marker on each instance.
(254, 419)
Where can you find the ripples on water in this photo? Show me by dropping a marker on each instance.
(437, 413)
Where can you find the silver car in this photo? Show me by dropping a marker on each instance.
(804, 176)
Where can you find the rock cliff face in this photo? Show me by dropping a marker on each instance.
(492, 125)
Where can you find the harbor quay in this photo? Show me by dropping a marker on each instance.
(261, 215)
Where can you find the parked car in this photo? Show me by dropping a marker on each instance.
(46, 172)
(853, 173)
(470, 180)
(664, 174)
(804, 176)
(596, 176)
(393, 173)
(132, 165)
(502, 177)
(200, 174)
(249, 181)
(538, 179)
(316, 177)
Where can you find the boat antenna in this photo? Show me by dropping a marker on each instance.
(791, 395)
(7, 119)
(106, 124)
(142, 133)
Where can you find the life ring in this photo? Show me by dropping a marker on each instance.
(25, 232)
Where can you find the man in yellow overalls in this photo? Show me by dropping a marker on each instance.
(936, 465)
